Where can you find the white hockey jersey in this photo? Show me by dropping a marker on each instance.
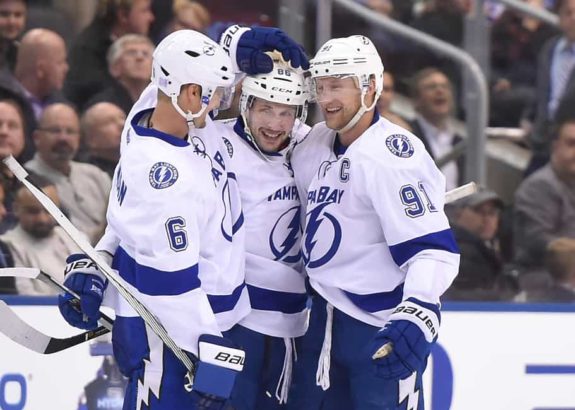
(223, 277)
(271, 206)
(375, 229)
(162, 210)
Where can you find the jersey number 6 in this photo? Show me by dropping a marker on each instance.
(177, 235)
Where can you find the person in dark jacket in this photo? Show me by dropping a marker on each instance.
(475, 222)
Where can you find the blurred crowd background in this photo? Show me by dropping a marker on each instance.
(70, 71)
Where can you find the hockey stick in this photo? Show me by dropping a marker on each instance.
(31, 338)
(120, 284)
(450, 196)
(460, 192)
(24, 334)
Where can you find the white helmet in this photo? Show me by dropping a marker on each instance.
(188, 57)
(282, 85)
(353, 56)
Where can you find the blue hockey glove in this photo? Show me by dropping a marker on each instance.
(402, 346)
(247, 46)
(84, 278)
(220, 361)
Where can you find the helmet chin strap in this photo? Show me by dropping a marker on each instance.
(189, 116)
(362, 110)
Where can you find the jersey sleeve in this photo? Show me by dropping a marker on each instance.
(407, 191)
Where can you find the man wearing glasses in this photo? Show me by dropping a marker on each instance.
(83, 188)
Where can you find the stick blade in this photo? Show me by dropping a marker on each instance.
(25, 335)
(20, 272)
(20, 331)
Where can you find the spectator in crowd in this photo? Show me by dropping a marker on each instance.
(189, 15)
(36, 241)
(475, 222)
(555, 82)
(443, 19)
(41, 67)
(544, 207)
(12, 23)
(102, 126)
(7, 284)
(89, 70)
(560, 263)
(82, 188)
(130, 65)
(385, 99)
(12, 142)
(516, 40)
(432, 96)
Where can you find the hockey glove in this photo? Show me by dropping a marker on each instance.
(247, 46)
(220, 361)
(84, 278)
(402, 346)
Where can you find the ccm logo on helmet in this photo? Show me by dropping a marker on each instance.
(282, 90)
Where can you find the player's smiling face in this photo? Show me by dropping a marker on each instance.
(339, 99)
(271, 124)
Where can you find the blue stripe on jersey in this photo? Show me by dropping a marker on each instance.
(224, 303)
(152, 132)
(442, 240)
(155, 282)
(374, 302)
(285, 302)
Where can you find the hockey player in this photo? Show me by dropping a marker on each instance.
(163, 211)
(377, 246)
(273, 109)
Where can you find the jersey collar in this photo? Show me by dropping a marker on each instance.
(151, 132)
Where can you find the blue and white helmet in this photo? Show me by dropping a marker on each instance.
(188, 57)
(353, 56)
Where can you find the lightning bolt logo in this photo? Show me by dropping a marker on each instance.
(314, 221)
(152, 378)
(163, 175)
(292, 235)
(408, 391)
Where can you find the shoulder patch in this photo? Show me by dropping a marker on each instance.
(399, 145)
(163, 175)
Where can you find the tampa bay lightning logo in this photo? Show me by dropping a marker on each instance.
(399, 145)
(322, 237)
(163, 175)
(284, 237)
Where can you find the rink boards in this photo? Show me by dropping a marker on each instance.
(489, 356)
